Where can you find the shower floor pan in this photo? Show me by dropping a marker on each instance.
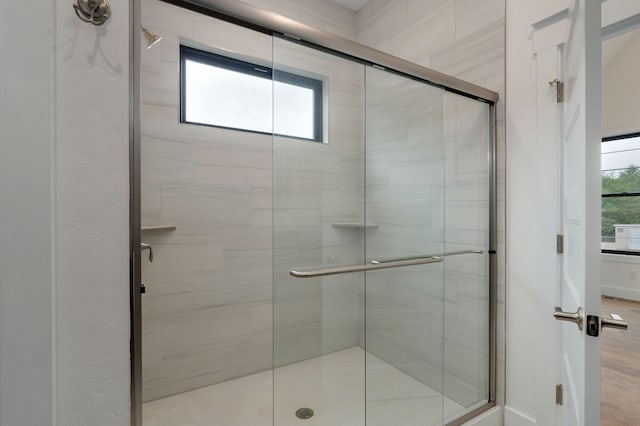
(331, 385)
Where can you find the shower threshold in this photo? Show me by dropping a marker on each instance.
(333, 386)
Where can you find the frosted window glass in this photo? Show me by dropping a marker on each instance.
(236, 99)
(227, 98)
(294, 113)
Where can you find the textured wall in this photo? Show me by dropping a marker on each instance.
(92, 218)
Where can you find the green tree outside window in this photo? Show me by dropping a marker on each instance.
(620, 210)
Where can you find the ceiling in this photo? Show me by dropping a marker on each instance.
(354, 5)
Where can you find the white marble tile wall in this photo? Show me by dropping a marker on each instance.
(207, 313)
(463, 38)
(315, 186)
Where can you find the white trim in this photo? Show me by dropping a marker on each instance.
(553, 33)
(514, 417)
(623, 26)
(552, 30)
(620, 292)
(493, 417)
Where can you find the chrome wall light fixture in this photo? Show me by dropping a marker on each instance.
(96, 12)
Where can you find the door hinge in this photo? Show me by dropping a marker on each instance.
(559, 243)
(559, 89)
(559, 389)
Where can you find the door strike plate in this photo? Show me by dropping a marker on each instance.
(593, 325)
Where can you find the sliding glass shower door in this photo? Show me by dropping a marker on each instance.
(381, 246)
(404, 201)
(319, 223)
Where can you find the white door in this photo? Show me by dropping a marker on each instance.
(581, 198)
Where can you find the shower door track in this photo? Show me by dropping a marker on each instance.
(269, 23)
(272, 23)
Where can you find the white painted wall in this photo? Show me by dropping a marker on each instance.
(620, 276)
(521, 220)
(64, 309)
(620, 85)
(526, 214)
(27, 147)
(92, 218)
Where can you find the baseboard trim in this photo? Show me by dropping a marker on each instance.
(622, 293)
(514, 417)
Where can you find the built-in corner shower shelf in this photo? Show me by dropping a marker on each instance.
(157, 229)
(355, 226)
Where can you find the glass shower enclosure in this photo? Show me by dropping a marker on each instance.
(344, 261)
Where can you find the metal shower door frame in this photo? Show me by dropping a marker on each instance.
(272, 23)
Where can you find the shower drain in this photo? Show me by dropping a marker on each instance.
(304, 413)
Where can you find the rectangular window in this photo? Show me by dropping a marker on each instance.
(226, 92)
(621, 194)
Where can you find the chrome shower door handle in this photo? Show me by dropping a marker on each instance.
(321, 271)
(575, 317)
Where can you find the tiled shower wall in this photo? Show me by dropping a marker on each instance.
(316, 187)
(207, 313)
(465, 39)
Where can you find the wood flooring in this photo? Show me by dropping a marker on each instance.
(621, 366)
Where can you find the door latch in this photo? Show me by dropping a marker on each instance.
(593, 325)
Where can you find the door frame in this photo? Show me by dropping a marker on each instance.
(549, 35)
(135, 219)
